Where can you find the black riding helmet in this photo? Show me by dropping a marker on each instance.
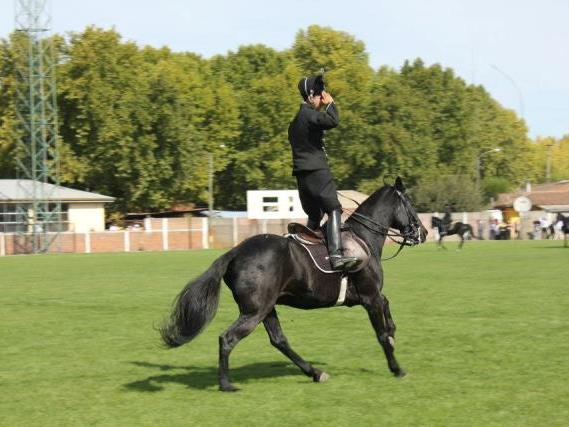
(311, 86)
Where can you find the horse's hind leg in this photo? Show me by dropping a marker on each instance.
(382, 329)
(242, 327)
(278, 340)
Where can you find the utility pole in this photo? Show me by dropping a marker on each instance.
(210, 184)
(39, 218)
(211, 173)
(548, 146)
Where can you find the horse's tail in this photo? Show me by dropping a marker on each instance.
(471, 231)
(195, 305)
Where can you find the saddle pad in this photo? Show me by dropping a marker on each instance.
(318, 253)
(353, 246)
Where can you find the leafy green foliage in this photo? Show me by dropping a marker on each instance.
(141, 124)
(458, 191)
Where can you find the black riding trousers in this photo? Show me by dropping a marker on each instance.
(317, 192)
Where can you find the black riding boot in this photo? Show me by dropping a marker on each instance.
(313, 224)
(337, 259)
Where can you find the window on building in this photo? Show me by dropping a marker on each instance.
(270, 204)
(13, 217)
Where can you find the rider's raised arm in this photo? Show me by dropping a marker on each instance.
(327, 119)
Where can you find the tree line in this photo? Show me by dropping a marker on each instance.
(141, 123)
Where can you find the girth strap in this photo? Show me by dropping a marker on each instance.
(343, 289)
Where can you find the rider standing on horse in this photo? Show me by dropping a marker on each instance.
(316, 186)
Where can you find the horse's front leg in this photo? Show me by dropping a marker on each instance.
(389, 320)
(440, 241)
(461, 243)
(384, 328)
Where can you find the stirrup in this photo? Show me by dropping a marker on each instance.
(340, 262)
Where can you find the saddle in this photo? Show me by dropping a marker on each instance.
(315, 244)
(306, 234)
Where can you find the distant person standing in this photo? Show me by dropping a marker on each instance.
(493, 229)
(480, 229)
(558, 230)
(544, 225)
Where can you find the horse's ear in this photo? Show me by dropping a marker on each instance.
(399, 186)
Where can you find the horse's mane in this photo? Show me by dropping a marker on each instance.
(374, 197)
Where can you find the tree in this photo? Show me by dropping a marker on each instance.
(140, 124)
(458, 191)
(8, 120)
(261, 79)
(557, 150)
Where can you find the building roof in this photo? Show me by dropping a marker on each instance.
(21, 190)
(545, 195)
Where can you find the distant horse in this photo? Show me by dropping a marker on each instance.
(266, 270)
(458, 228)
(565, 228)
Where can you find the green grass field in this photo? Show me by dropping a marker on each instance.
(483, 334)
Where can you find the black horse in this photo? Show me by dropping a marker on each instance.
(266, 270)
(458, 228)
(565, 228)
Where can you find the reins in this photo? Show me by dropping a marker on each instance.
(382, 230)
(378, 228)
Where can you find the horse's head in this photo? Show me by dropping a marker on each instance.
(405, 218)
(390, 207)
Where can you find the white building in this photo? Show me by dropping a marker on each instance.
(285, 204)
(82, 211)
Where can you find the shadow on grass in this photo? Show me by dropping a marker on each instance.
(201, 378)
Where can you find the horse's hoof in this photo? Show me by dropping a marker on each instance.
(400, 374)
(228, 387)
(321, 377)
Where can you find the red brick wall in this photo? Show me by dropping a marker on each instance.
(107, 241)
(179, 240)
(145, 241)
(68, 243)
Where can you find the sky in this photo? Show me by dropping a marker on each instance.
(517, 49)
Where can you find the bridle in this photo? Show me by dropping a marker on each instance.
(411, 235)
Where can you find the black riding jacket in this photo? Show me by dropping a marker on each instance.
(306, 136)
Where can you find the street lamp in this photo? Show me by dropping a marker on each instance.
(478, 163)
(511, 80)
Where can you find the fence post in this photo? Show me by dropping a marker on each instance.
(264, 226)
(205, 233)
(2, 245)
(127, 241)
(164, 234)
(87, 242)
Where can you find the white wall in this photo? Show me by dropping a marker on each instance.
(85, 217)
(286, 205)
